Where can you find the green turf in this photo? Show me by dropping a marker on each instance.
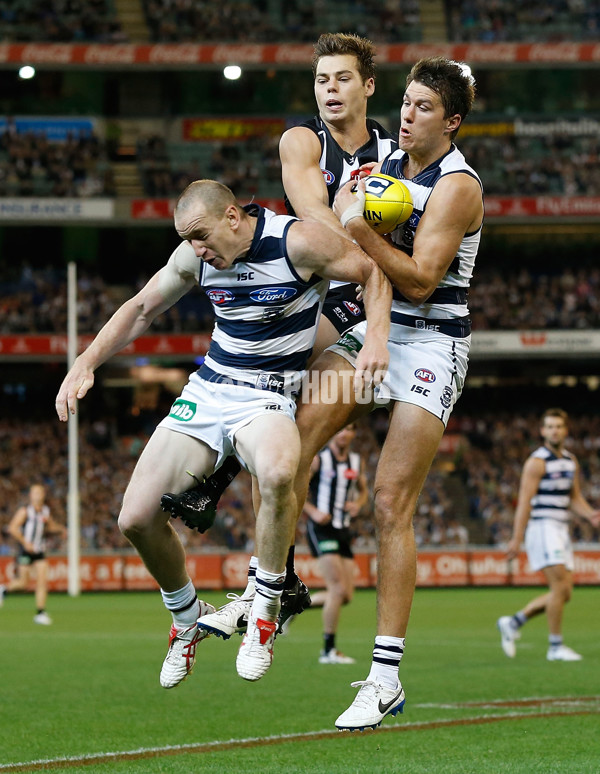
(88, 684)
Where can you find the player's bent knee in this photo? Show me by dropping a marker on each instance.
(277, 479)
(392, 510)
(132, 524)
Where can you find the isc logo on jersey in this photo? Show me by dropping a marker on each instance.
(219, 297)
(328, 177)
(272, 295)
(425, 375)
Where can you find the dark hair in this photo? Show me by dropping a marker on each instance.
(556, 412)
(340, 43)
(455, 87)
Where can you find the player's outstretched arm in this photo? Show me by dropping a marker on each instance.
(129, 321)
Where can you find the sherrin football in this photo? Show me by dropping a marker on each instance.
(388, 203)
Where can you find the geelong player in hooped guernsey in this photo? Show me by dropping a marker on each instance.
(266, 276)
(445, 311)
(429, 264)
(266, 314)
(549, 491)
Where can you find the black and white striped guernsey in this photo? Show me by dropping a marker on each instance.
(34, 527)
(553, 496)
(266, 315)
(330, 485)
(336, 164)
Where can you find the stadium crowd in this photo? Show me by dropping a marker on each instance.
(387, 21)
(534, 21)
(383, 21)
(107, 461)
(483, 474)
(555, 165)
(35, 301)
(32, 165)
(60, 21)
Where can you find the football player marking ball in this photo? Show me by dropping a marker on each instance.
(388, 203)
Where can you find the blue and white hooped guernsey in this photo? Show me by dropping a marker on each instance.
(447, 306)
(266, 315)
(553, 496)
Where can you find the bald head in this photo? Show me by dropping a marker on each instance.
(202, 201)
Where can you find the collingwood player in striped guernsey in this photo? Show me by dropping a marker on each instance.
(29, 527)
(266, 276)
(320, 155)
(549, 491)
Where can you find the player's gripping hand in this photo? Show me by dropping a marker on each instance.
(371, 365)
(349, 202)
(75, 386)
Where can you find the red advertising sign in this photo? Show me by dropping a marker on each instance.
(188, 55)
(435, 569)
(56, 345)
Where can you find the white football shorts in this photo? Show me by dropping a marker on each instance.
(214, 412)
(426, 368)
(548, 542)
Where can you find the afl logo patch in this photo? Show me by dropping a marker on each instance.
(329, 178)
(272, 295)
(425, 375)
(352, 308)
(219, 297)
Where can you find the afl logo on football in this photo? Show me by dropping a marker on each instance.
(272, 295)
(352, 308)
(329, 178)
(219, 297)
(425, 375)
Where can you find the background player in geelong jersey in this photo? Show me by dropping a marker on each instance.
(29, 527)
(429, 262)
(317, 158)
(337, 492)
(549, 489)
(266, 275)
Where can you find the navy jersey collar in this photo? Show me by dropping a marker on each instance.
(258, 212)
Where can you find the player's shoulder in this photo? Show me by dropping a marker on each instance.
(541, 453)
(183, 259)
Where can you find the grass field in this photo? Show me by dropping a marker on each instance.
(83, 694)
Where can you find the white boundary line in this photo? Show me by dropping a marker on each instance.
(244, 741)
